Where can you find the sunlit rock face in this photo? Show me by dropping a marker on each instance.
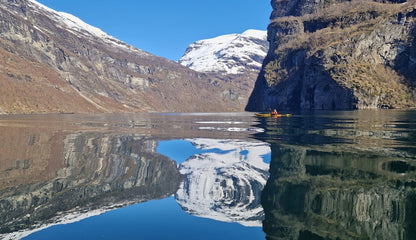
(85, 174)
(324, 194)
(338, 55)
(225, 181)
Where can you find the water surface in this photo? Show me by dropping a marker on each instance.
(315, 175)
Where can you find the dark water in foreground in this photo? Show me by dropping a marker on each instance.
(320, 175)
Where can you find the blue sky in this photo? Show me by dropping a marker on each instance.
(166, 28)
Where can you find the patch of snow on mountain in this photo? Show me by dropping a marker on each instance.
(79, 27)
(228, 54)
(225, 182)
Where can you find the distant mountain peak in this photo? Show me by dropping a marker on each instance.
(228, 54)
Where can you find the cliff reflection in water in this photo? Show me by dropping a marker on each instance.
(345, 176)
(53, 172)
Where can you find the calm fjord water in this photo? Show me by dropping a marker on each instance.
(315, 175)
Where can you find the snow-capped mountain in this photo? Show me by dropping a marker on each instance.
(228, 54)
(225, 182)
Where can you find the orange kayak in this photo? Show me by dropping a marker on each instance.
(270, 115)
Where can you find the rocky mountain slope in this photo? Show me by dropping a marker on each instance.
(339, 55)
(235, 58)
(54, 62)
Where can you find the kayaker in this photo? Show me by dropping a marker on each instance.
(274, 113)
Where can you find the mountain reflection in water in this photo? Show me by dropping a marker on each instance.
(342, 175)
(333, 175)
(224, 180)
(60, 178)
(64, 168)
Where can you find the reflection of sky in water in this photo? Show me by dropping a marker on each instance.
(181, 150)
(267, 158)
(178, 150)
(156, 219)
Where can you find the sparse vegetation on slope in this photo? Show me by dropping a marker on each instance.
(339, 55)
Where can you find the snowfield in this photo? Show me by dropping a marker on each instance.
(228, 54)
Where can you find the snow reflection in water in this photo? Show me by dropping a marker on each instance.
(224, 178)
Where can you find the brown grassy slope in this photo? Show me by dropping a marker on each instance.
(27, 87)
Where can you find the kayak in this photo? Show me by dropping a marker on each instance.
(270, 115)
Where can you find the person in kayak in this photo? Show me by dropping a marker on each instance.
(274, 113)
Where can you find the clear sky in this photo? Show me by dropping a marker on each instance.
(164, 27)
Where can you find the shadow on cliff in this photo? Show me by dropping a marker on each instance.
(405, 62)
(307, 86)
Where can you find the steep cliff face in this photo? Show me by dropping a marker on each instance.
(54, 62)
(338, 55)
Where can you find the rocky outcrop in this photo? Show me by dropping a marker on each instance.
(338, 55)
(53, 62)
